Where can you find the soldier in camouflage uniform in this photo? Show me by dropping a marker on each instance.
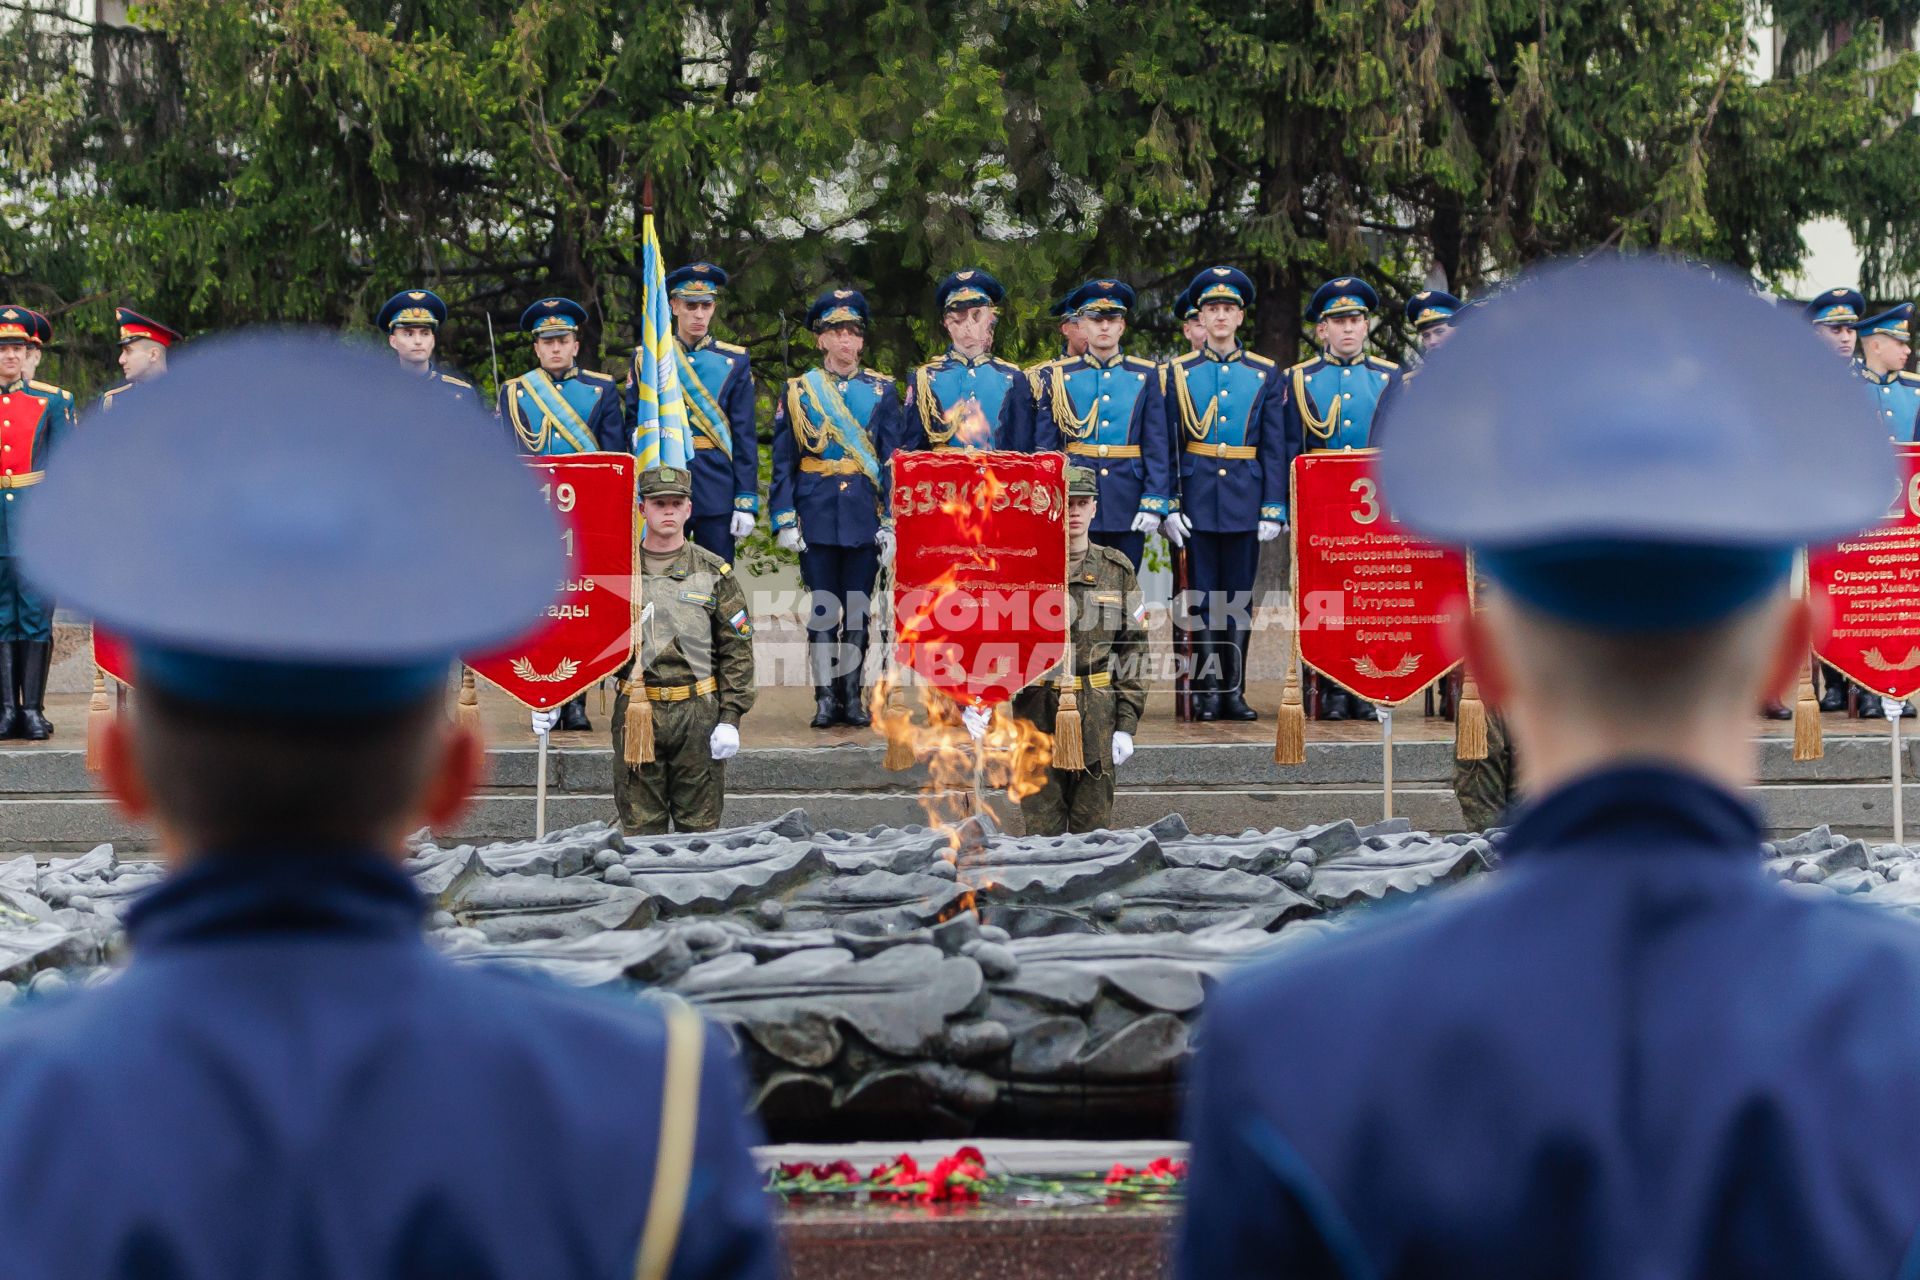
(1109, 648)
(696, 656)
(1485, 788)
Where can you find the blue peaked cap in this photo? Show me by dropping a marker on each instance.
(331, 547)
(1650, 469)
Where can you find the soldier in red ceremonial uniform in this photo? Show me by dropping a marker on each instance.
(34, 417)
(144, 345)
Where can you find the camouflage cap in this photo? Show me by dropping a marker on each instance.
(666, 482)
(1082, 483)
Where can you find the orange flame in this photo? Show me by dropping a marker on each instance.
(1014, 756)
(969, 426)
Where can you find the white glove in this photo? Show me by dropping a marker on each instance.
(1146, 522)
(725, 742)
(1176, 527)
(790, 538)
(1122, 747)
(977, 719)
(543, 721)
(885, 540)
(1271, 529)
(741, 525)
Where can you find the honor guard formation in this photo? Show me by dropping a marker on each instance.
(1196, 447)
(1627, 1053)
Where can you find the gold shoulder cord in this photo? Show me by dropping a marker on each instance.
(812, 440)
(534, 443)
(1071, 424)
(673, 1161)
(1321, 427)
(923, 393)
(1196, 426)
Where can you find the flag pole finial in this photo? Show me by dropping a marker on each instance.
(646, 194)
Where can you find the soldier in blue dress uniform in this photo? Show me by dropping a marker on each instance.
(1630, 1052)
(144, 344)
(1073, 342)
(943, 392)
(295, 1083)
(412, 320)
(1833, 314)
(716, 381)
(1331, 401)
(1886, 342)
(1187, 312)
(35, 418)
(1431, 312)
(557, 407)
(834, 429)
(1106, 409)
(43, 332)
(1226, 418)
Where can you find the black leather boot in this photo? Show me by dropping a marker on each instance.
(573, 716)
(1833, 689)
(1333, 701)
(1869, 704)
(1233, 703)
(826, 691)
(1360, 708)
(32, 659)
(853, 703)
(1205, 681)
(9, 692)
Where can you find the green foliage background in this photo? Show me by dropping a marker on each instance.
(222, 162)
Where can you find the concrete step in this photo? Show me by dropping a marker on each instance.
(851, 768)
(48, 802)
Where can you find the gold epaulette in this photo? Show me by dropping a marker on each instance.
(1254, 357)
(733, 347)
(591, 375)
(874, 373)
(1139, 362)
(1381, 362)
(50, 389)
(452, 381)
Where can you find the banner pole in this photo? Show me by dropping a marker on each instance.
(540, 792)
(1386, 758)
(1893, 708)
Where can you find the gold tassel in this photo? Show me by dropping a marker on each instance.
(1469, 722)
(601, 688)
(896, 722)
(1807, 743)
(1290, 732)
(1069, 748)
(1069, 745)
(466, 712)
(639, 734)
(99, 716)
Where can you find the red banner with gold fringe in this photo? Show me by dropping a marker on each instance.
(588, 633)
(980, 569)
(1866, 594)
(1374, 605)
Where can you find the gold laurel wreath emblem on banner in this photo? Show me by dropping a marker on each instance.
(565, 671)
(1372, 670)
(1878, 661)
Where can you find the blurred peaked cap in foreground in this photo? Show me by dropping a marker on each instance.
(1680, 409)
(283, 497)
